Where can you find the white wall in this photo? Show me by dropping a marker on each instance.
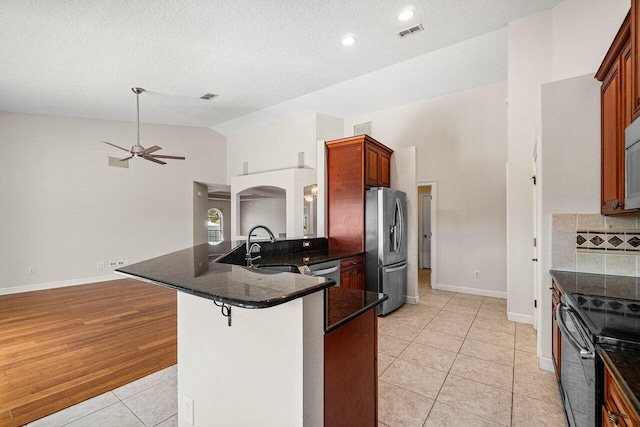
(271, 213)
(570, 168)
(200, 210)
(461, 144)
(264, 370)
(567, 41)
(63, 209)
(276, 147)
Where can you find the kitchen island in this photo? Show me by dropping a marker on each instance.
(251, 342)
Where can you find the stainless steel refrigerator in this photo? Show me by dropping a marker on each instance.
(386, 246)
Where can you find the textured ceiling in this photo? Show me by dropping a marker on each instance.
(79, 58)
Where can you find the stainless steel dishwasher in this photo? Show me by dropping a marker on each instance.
(328, 269)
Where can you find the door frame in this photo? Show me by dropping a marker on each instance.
(434, 229)
(421, 231)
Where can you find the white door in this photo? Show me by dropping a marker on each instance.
(425, 231)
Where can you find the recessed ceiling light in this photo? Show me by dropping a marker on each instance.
(406, 15)
(348, 40)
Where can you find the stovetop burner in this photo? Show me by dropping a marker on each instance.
(610, 320)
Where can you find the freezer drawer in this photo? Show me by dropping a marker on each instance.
(393, 283)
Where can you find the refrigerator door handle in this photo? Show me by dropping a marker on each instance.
(400, 226)
(392, 269)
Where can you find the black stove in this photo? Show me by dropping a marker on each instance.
(610, 320)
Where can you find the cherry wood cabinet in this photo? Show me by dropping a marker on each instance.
(352, 272)
(635, 58)
(556, 337)
(616, 74)
(616, 410)
(354, 164)
(351, 373)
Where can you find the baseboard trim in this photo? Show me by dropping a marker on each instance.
(546, 364)
(522, 318)
(473, 291)
(59, 284)
(413, 300)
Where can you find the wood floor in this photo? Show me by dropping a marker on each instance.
(61, 346)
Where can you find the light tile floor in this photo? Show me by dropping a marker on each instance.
(455, 360)
(151, 401)
(451, 360)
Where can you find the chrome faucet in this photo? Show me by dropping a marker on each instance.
(250, 246)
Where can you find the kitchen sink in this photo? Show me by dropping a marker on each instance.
(281, 268)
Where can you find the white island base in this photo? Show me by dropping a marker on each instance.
(264, 370)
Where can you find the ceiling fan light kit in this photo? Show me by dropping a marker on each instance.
(138, 150)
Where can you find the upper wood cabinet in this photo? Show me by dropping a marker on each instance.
(635, 58)
(616, 74)
(354, 164)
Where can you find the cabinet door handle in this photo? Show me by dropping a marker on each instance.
(534, 259)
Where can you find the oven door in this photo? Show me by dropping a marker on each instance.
(578, 369)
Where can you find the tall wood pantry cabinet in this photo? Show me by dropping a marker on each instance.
(354, 165)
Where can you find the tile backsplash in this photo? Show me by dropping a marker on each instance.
(592, 243)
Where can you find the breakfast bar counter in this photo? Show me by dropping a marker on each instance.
(259, 347)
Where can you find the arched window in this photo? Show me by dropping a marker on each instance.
(214, 226)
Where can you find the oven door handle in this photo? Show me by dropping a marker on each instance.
(584, 352)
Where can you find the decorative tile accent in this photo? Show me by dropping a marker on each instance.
(622, 242)
(580, 240)
(596, 240)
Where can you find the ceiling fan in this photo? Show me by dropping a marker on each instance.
(138, 150)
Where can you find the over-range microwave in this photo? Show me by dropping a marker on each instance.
(632, 165)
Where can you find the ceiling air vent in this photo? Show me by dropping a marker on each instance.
(363, 129)
(410, 30)
(208, 96)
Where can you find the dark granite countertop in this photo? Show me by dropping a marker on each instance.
(305, 258)
(624, 364)
(598, 284)
(344, 304)
(197, 271)
(287, 252)
(191, 271)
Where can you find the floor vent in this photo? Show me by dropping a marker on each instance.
(410, 30)
(363, 129)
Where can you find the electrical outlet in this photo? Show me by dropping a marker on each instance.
(113, 264)
(32, 270)
(476, 274)
(188, 408)
(100, 264)
(121, 262)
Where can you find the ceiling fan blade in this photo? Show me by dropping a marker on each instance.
(114, 145)
(161, 156)
(150, 150)
(126, 158)
(153, 160)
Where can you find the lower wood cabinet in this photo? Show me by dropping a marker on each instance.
(351, 373)
(617, 410)
(352, 272)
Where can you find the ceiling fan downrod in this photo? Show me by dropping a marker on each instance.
(138, 91)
